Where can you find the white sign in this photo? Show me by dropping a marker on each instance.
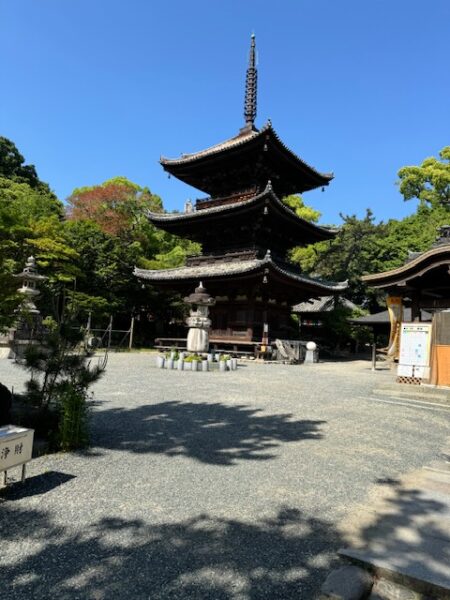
(415, 342)
(405, 371)
(16, 446)
(422, 372)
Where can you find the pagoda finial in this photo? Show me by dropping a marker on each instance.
(251, 86)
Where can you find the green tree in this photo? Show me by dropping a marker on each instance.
(301, 209)
(12, 167)
(429, 182)
(22, 211)
(356, 249)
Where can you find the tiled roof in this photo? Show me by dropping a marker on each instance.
(235, 142)
(227, 208)
(229, 268)
(411, 267)
(322, 304)
(382, 318)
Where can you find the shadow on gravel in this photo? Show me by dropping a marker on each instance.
(34, 486)
(213, 433)
(425, 549)
(286, 557)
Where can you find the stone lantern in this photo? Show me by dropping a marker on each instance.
(198, 321)
(30, 279)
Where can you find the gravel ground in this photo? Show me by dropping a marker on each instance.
(226, 486)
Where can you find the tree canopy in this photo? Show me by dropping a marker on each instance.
(428, 182)
(12, 166)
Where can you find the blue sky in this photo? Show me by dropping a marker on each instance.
(98, 88)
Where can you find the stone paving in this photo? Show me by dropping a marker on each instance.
(228, 486)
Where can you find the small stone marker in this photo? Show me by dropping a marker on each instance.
(347, 583)
(310, 356)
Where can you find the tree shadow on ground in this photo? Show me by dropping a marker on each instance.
(410, 534)
(212, 433)
(200, 558)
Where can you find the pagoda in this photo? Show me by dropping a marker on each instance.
(245, 230)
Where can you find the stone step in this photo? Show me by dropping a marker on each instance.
(431, 393)
(383, 589)
(423, 567)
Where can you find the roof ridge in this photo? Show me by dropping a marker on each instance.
(409, 264)
(268, 190)
(245, 266)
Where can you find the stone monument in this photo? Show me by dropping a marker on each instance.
(198, 321)
(29, 322)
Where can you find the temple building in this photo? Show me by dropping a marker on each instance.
(423, 282)
(245, 231)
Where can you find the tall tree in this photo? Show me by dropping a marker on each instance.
(356, 249)
(12, 166)
(429, 182)
(117, 206)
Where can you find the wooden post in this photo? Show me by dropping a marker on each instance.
(130, 345)
(110, 331)
(415, 308)
(374, 352)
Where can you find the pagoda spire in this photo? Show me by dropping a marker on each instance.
(251, 87)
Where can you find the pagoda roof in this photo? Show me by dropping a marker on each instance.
(196, 169)
(193, 223)
(225, 269)
(416, 267)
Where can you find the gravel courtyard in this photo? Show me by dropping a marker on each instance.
(226, 486)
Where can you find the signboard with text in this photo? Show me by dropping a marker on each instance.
(415, 344)
(16, 446)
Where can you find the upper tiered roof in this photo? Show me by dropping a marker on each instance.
(248, 159)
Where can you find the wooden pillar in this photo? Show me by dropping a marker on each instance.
(415, 308)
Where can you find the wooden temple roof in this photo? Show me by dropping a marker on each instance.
(223, 269)
(322, 304)
(192, 224)
(263, 155)
(415, 268)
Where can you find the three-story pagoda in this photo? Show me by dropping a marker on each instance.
(245, 230)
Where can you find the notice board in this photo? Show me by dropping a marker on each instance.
(415, 344)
